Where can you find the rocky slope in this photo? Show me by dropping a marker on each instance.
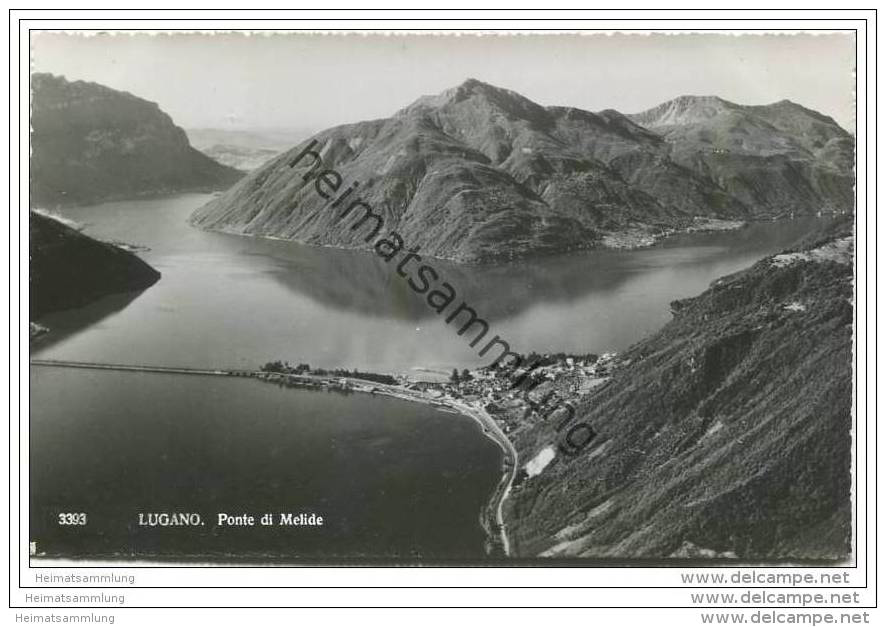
(725, 434)
(478, 173)
(775, 159)
(68, 269)
(91, 143)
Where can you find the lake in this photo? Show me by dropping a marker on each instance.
(395, 480)
(391, 479)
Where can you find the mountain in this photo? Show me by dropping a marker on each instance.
(90, 143)
(725, 434)
(775, 159)
(479, 173)
(68, 269)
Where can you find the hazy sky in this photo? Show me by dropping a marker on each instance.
(316, 81)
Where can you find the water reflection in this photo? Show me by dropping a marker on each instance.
(121, 443)
(363, 283)
(230, 301)
(66, 324)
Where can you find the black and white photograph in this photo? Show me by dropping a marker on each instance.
(441, 298)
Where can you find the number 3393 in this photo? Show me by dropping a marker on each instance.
(72, 519)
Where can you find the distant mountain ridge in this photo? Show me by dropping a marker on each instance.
(243, 159)
(478, 173)
(92, 143)
(242, 149)
(773, 158)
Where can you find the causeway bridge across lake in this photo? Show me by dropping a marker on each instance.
(90, 365)
(489, 426)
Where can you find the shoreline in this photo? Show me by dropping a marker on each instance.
(492, 515)
(630, 239)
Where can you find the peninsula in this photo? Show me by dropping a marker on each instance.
(478, 173)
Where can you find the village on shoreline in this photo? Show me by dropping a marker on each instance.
(487, 395)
